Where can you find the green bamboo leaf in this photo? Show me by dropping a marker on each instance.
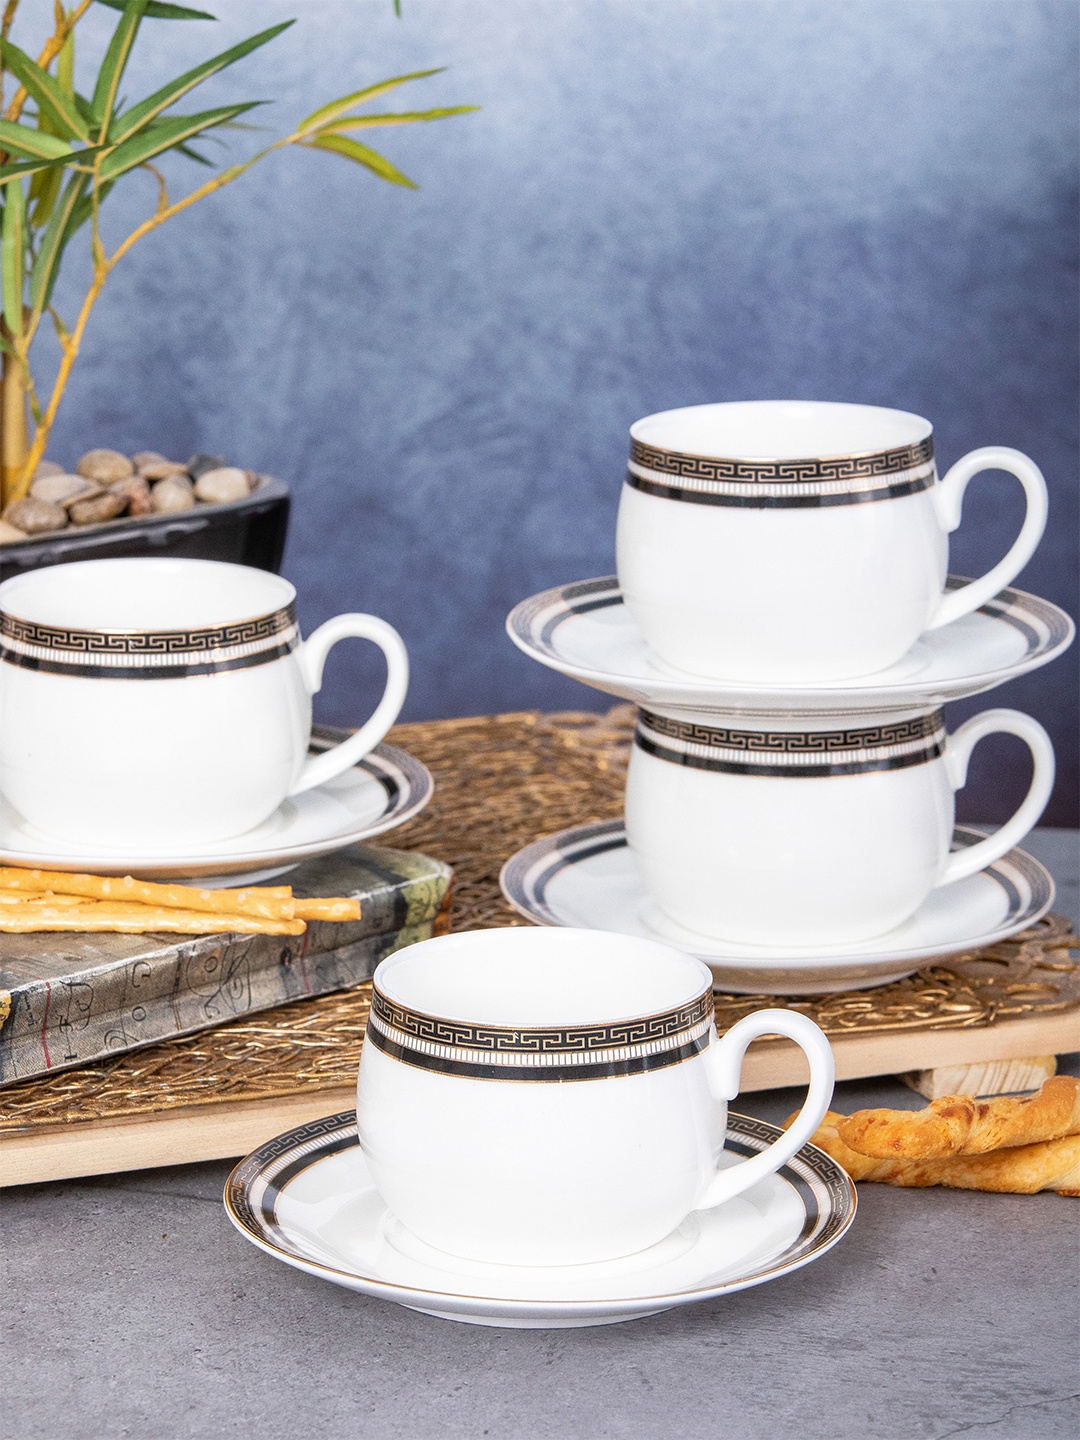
(31, 167)
(408, 117)
(193, 155)
(39, 144)
(370, 159)
(84, 208)
(318, 118)
(45, 185)
(115, 62)
(160, 10)
(169, 133)
(47, 260)
(134, 119)
(65, 65)
(44, 190)
(13, 255)
(82, 212)
(52, 100)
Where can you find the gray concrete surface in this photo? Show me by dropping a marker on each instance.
(132, 1309)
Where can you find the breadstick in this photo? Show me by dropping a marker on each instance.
(960, 1125)
(265, 901)
(1018, 1170)
(43, 914)
(326, 909)
(70, 902)
(827, 1138)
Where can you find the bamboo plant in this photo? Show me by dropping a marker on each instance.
(61, 154)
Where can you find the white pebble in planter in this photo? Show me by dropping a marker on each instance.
(223, 486)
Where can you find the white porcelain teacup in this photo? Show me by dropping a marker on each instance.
(791, 542)
(164, 703)
(558, 1097)
(797, 831)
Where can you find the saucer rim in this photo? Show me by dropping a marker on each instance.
(612, 830)
(413, 798)
(856, 696)
(306, 1142)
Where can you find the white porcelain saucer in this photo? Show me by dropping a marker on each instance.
(586, 877)
(586, 632)
(385, 789)
(307, 1198)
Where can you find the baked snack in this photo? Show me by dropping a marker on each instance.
(961, 1125)
(1017, 1170)
(330, 909)
(44, 913)
(268, 902)
(43, 900)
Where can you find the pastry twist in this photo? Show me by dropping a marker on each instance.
(1017, 1170)
(961, 1125)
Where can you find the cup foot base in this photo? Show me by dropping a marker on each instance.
(406, 1243)
(665, 927)
(909, 665)
(541, 1322)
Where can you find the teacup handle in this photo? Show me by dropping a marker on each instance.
(949, 500)
(958, 748)
(724, 1061)
(312, 657)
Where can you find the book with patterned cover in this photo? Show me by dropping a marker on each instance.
(69, 999)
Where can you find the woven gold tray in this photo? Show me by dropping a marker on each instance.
(501, 781)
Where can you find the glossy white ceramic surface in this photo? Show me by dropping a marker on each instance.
(587, 877)
(585, 631)
(818, 859)
(794, 589)
(384, 789)
(512, 1169)
(307, 1199)
(164, 760)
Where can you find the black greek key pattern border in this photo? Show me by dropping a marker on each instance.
(834, 468)
(785, 742)
(763, 498)
(894, 745)
(262, 1170)
(535, 1041)
(147, 655)
(263, 629)
(603, 1065)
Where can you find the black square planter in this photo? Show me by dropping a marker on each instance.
(247, 532)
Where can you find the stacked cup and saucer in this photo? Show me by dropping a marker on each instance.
(784, 618)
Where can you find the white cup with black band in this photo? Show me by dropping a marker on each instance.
(164, 703)
(558, 1097)
(799, 831)
(799, 542)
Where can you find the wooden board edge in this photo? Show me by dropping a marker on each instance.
(771, 1064)
(230, 1129)
(177, 1137)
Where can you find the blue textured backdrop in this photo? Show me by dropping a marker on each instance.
(660, 204)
